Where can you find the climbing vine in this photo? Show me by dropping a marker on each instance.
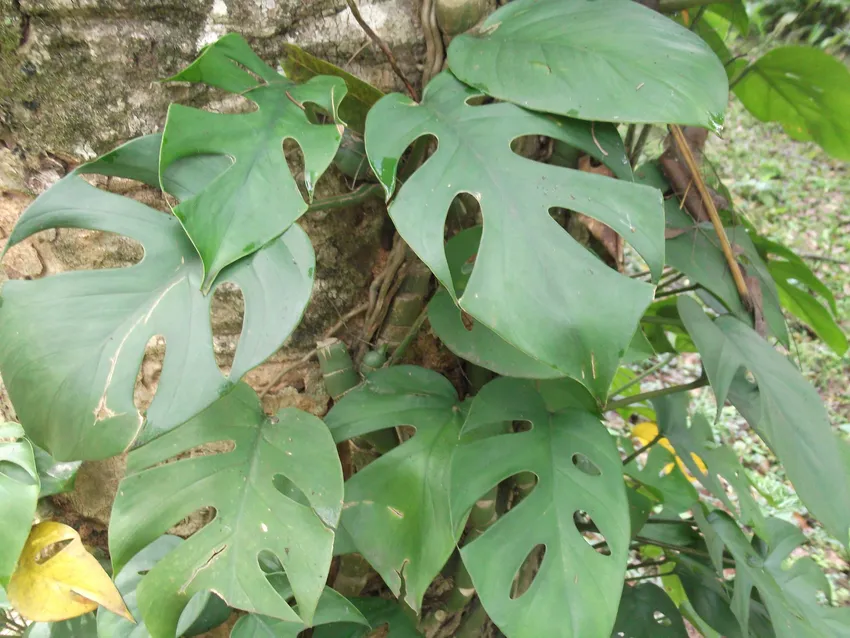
(534, 495)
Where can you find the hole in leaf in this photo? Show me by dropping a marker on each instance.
(269, 562)
(289, 489)
(227, 318)
(295, 160)
(16, 473)
(194, 522)
(523, 425)
(661, 619)
(51, 550)
(590, 533)
(524, 484)
(150, 370)
(479, 100)
(585, 464)
(82, 249)
(462, 254)
(527, 572)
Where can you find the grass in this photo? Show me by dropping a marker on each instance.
(795, 194)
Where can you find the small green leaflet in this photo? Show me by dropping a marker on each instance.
(576, 591)
(782, 407)
(804, 89)
(292, 451)
(255, 199)
(19, 487)
(379, 612)
(605, 60)
(516, 289)
(790, 595)
(397, 509)
(75, 397)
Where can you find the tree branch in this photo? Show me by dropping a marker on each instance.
(652, 394)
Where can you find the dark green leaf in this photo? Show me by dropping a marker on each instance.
(333, 609)
(379, 613)
(75, 398)
(576, 590)
(56, 477)
(784, 409)
(19, 487)
(252, 515)
(602, 60)
(672, 487)
(300, 66)
(805, 90)
(647, 612)
(256, 199)
(518, 289)
(397, 510)
(790, 595)
(734, 12)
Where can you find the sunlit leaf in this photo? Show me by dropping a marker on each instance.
(279, 489)
(804, 89)
(646, 431)
(56, 578)
(256, 198)
(602, 60)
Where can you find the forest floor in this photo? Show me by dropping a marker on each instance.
(795, 194)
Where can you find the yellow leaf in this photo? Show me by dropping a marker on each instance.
(56, 578)
(646, 432)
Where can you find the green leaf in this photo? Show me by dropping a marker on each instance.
(647, 612)
(333, 608)
(790, 279)
(790, 595)
(75, 398)
(292, 451)
(805, 90)
(782, 407)
(604, 60)
(672, 487)
(576, 590)
(379, 613)
(734, 12)
(256, 198)
(477, 344)
(695, 251)
(19, 487)
(127, 582)
(719, 460)
(84, 626)
(561, 322)
(56, 477)
(300, 66)
(397, 509)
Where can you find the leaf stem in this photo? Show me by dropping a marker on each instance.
(648, 563)
(652, 394)
(676, 291)
(662, 321)
(398, 353)
(634, 154)
(707, 201)
(645, 374)
(355, 197)
(678, 548)
(352, 5)
(631, 457)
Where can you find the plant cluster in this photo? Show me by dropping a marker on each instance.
(518, 492)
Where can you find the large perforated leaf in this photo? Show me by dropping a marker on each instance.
(781, 406)
(74, 394)
(533, 284)
(791, 595)
(257, 509)
(577, 589)
(804, 89)
(256, 198)
(593, 59)
(397, 509)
